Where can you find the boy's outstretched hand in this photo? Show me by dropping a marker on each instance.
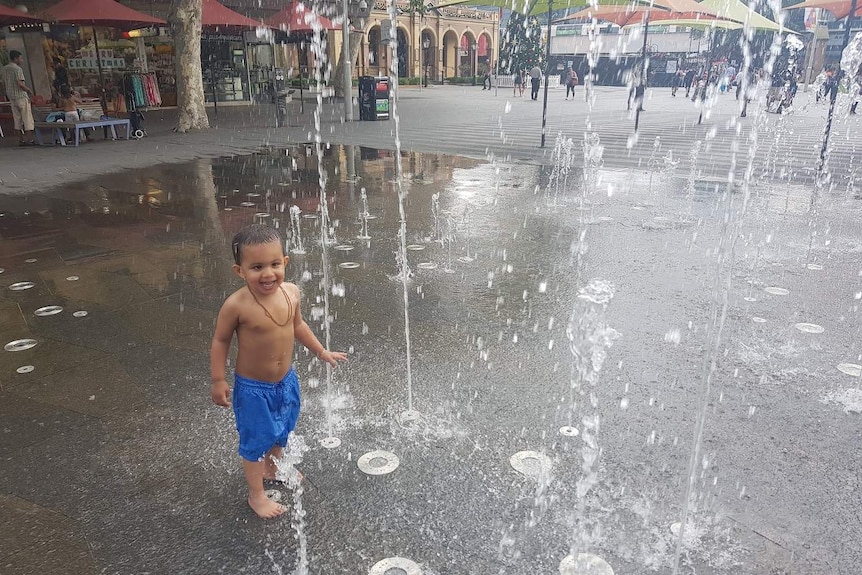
(332, 357)
(220, 393)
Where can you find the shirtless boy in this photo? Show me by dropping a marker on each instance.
(266, 318)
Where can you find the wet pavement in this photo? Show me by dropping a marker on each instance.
(115, 460)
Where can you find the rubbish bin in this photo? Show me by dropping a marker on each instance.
(373, 98)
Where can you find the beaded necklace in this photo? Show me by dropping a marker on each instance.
(266, 311)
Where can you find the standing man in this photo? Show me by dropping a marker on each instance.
(19, 95)
(535, 80)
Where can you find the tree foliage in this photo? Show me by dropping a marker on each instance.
(522, 44)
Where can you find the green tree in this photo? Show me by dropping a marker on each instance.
(522, 44)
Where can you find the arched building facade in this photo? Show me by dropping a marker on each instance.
(445, 43)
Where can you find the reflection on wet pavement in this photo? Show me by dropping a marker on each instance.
(112, 428)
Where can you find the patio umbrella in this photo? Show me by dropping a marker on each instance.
(11, 17)
(94, 13)
(840, 9)
(629, 15)
(297, 18)
(215, 15)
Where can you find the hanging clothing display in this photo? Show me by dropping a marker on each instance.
(141, 90)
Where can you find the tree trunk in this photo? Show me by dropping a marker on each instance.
(185, 21)
(338, 76)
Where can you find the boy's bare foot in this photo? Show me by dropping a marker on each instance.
(265, 507)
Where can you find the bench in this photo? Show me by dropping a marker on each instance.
(57, 129)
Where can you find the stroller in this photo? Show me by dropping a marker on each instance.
(136, 117)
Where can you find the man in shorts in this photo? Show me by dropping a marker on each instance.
(19, 94)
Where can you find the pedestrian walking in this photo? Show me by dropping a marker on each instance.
(688, 80)
(857, 90)
(535, 80)
(19, 94)
(486, 80)
(678, 79)
(519, 84)
(571, 82)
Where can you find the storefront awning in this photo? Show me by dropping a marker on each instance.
(99, 13)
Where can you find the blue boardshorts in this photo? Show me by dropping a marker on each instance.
(265, 413)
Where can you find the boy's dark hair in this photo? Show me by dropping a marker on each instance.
(252, 235)
(14, 54)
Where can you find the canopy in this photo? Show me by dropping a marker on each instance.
(297, 17)
(216, 15)
(99, 13)
(739, 12)
(625, 15)
(10, 17)
(694, 23)
(839, 8)
(536, 7)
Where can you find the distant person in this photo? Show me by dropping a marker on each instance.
(486, 80)
(535, 80)
(519, 84)
(265, 316)
(675, 82)
(856, 90)
(61, 76)
(571, 82)
(67, 103)
(688, 80)
(19, 94)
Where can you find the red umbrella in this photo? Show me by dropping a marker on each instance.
(217, 16)
(10, 17)
(839, 8)
(297, 17)
(100, 13)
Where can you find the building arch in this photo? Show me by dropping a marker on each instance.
(376, 57)
(430, 48)
(484, 52)
(404, 50)
(450, 53)
(467, 65)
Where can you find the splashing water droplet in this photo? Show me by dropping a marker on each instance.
(25, 369)
(776, 290)
(21, 286)
(809, 327)
(851, 369)
(80, 313)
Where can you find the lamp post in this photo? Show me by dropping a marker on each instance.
(474, 63)
(426, 43)
(345, 56)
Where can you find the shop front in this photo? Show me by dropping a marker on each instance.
(225, 68)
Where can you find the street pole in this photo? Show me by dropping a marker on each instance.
(833, 92)
(547, 69)
(812, 47)
(345, 55)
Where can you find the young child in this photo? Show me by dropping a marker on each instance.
(266, 318)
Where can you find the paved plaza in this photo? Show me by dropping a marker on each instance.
(565, 309)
